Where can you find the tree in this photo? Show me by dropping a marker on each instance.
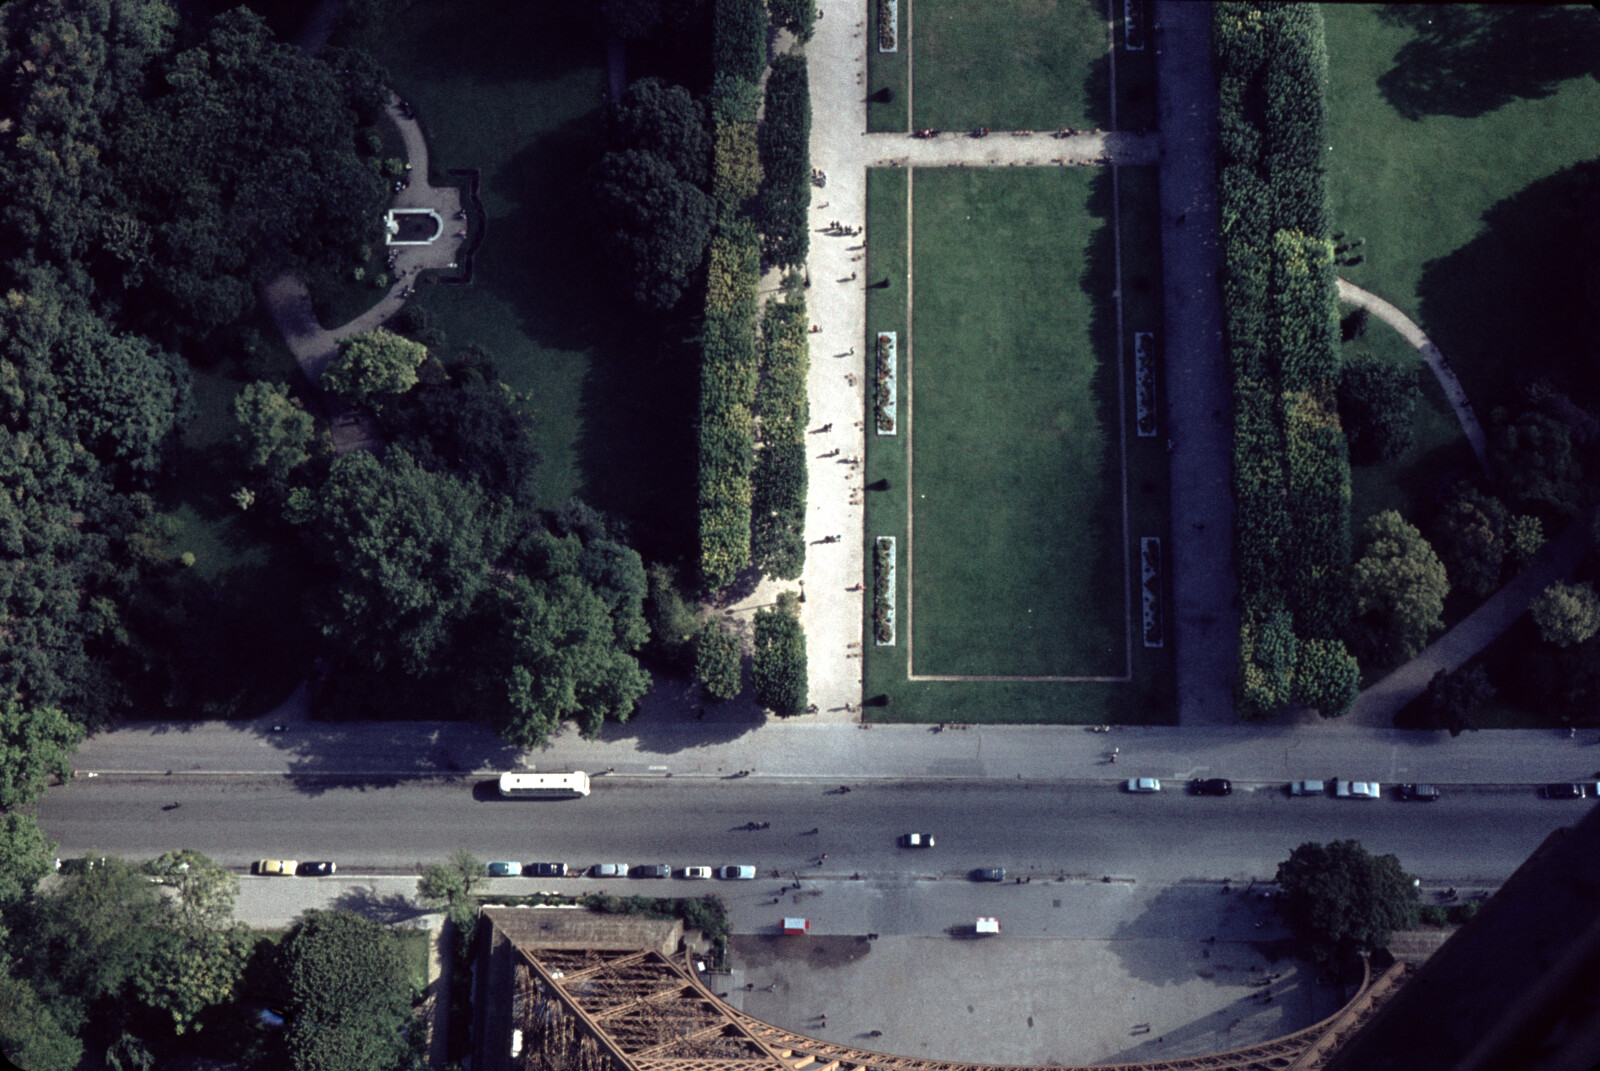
(665, 120)
(1535, 459)
(34, 743)
(1472, 538)
(779, 669)
(275, 433)
(128, 397)
(1377, 402)
(189, 969)
(30, 1035)
(1452, 697)
(24, 857)
(653, 226)
(413, 550)
(349, 994)
(443, 884)
(1567, 614)
(204, 891)
(472, 426)
(1339, 898)
(1399, 583)
(374, 367)
(673, 623)
(716, 663)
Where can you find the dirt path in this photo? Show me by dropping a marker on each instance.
(1352, 294)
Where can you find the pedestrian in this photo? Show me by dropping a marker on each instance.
(1181, 217)
(852, 276)
(852, 351)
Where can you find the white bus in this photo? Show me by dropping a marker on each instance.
(545, 786)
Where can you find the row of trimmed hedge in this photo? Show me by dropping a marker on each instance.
(778, 672)
(728, 368)
(786, 162)
(1291, 470)
(778, 518)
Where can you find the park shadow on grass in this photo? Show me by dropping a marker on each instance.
(1469, 60)
(1505, 308)
(635, 445)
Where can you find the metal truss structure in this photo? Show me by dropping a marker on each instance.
(634, 1010)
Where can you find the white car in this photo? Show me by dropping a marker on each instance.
(697, 873)
(609, 870)
(1144, 784)
(1357, 790)
(916, 840)
(736, 873)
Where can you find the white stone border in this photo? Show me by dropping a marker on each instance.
(894, 25)
(888, 597)
(883, 398)
(1150, 588)
(1144, 383)
(391, 226)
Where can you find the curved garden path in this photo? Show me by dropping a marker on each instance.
(1351, 294)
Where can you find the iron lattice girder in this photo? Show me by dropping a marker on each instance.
(651, 1014)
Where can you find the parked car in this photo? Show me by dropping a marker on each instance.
(1144, 784)
(279, 867)
(1357, 790)
(1308, 788)
(322, 869)
(989, 873)
(1211, 786)
(1425, 793)
(500, 868)
(651, 870)
(546, 870)
(697, 873)
(736, 873)
(1562, 792)
(609, 870)
(916, 840)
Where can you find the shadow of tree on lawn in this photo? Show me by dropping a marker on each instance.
(1467, 61)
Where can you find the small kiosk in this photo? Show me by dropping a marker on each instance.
(987, 926)
(796, 926)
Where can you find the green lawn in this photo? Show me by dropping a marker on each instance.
(515, 93)
(888, 73)
(1009, 64)
(1450, 128)
(1016, 482)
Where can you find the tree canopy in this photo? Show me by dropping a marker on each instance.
(372, 368)
(779, 670)
(1339, 897)
(1377, 402)
(1400, 585)
(717, 662)
(654, 226)
(349, 994)
(275, 432)
(1567, 614)
(34, 744)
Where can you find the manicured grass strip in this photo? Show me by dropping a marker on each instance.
(1009, 64)
(888, 73)
(1016, 555)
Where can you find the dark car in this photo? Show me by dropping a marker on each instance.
(651, 870)
(1562, 792)
(989, 873)
(316, 870)
(546, 870)
(1211, 786)
(1424, 793)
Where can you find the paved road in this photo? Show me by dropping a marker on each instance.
(1082, 830)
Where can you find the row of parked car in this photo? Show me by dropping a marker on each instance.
(1358, 790)
(504, 868)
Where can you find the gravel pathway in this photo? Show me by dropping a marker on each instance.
(1352, 294)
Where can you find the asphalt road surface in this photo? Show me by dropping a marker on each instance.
(1080, 830)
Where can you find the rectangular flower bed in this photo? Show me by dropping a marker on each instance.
(883, 397)
(888, 21)
(1144, 379)
(883, 591)
(1133, 12)
(1150, 575)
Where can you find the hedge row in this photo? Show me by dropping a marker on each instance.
(786, 161)
(727, 391)
(778, 518)
(1291, 468)
(728, 368)
(799, 17)
(779, 671)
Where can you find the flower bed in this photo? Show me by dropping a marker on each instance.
(883, 591)
(888, 20)
(1133, 25)
(1150, 574)
(883, 398)
(1144, 375)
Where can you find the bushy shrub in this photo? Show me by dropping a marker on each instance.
(716, 662)
(781, 477)
(739, 38)
(735, 164)
(797, 16)
(786, 161)
(1377, 404)
(779, 672)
